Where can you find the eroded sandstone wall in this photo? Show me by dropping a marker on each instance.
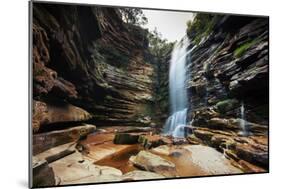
(229, 90)
(88, 57)
(230, 66)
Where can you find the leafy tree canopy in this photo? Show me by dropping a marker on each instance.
(133, 16)
(158, 46)
(201, 26)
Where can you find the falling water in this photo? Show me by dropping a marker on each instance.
(242, 120)
(178, 75)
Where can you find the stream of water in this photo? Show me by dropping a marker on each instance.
(243, 125)
(178, 75)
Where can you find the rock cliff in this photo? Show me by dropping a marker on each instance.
(90, 67)
(228, 89)
(229, 66)
(88, 57)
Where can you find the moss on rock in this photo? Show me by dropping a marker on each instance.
(226, 105)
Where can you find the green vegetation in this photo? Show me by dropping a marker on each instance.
(201, 26)
(227, 105)
(133, 16)
(240, 51)
(160, 50)
(158, 46)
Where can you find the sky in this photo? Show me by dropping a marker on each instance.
(171, 24)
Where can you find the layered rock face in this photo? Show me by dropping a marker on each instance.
(88, 57)
(162, 87)
(228, 90)
(232, 63)
(89, 67)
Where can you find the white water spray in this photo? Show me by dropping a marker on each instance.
(242, 120)
(178, 76)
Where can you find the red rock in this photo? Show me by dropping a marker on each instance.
(152, 141)
(46, 80)
(45, 141)
(254, 155)
(250, 168)
(44, 114)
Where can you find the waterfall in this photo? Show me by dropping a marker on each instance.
(178, 75)
(242, 120)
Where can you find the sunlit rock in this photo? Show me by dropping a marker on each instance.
(151, 162)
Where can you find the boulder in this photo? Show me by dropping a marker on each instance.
(152, 141)
(162, 150)
(126, 138)
(151, 162)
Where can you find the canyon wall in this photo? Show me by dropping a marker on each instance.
(228, 88)
(230, 66)
(89, 58)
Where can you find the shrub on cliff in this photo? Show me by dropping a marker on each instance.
(133, 16)
(242, 49)
(201, 26)
(158, 46)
